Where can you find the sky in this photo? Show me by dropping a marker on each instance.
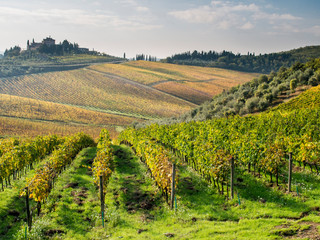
(162, 28)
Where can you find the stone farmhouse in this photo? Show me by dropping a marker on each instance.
(35, 45)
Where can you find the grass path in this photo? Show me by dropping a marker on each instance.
(12, 206)
(137, 210)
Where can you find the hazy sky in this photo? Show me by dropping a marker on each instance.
(163, 27)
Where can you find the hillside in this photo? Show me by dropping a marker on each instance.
(265, 63)
(119, 93)
(97, 91)
(257, 95)
(307, 100)
(30, 63)
(194, 84)
(29, 118)
(260, 197)
(256, 204)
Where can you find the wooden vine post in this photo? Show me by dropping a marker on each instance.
(29, 219)
(173, 185)
(102, 199)
(290, 172)
(232, 178)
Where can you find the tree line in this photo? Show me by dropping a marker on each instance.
(144, 57)
(250, 62)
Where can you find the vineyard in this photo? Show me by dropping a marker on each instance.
(194, 84)
(29, 117)
(250, 177)
(92, 90)
(260, 143)
(110, 96)
(135, 186)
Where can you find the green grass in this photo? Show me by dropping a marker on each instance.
(136, 209)
(12, 206)
(72, 208)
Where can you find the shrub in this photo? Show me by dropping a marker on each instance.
(263, 79)
(293, 84)
(252, 103)
(314, 80)
(263, 104)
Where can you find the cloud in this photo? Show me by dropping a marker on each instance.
(227, 14)
(314, 30)
(142, 9)
(247, 26)
(274, 16)
(133, 4)
(73, 17)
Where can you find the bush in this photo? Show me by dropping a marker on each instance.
(251, 104)
(263, 104)
(293, 84)
(283, 87)
(314, 80)
(243, 111)
(263, 86)
(270, 96)
(258, 93)
(263, 79)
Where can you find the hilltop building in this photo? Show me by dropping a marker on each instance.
(49, 46)
(36, 45)
(49, 41)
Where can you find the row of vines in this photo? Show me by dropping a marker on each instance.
(258, 143)
(103, 162)
(158, 159)
(16, 156)
(42, 182)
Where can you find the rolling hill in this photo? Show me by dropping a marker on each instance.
(194, 84)
(30, 117)
(115, 94)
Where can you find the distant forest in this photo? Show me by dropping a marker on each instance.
(265, 63)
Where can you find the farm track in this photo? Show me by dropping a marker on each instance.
(136, 84)
(182, 81)
(56, 121)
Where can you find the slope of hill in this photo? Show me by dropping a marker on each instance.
(307, 100)
(97, 91)
(128, 92)
(256, 95)
(270, 160)
(194, 84)
(30, 62)
(30, 117)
